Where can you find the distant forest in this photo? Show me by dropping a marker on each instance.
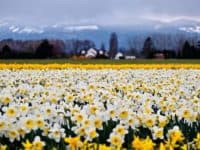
(156, 46)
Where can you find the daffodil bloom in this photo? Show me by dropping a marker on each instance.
(29, 123)
(98, 123)
(11, 112)
(162, 147)
(137, 144)
(116, 141)
(104, 147)
(184, 147)
(2, 124)
(123, 114)
(148, 144)
(27, 145)
(3, 147)
(92, 133)
(38, 144)
(74, 142)
(197, 141)
(175, 135)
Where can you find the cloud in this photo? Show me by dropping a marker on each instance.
(103, 12)
(169, 19)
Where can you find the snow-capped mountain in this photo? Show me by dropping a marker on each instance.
(68, 28)
(96, 33)
(28, 30)
(31, 30)
(195, 29)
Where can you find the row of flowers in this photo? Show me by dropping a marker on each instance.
(100, 109)
(99, 66)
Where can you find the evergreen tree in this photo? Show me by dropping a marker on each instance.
(6, 51)
(113, 45)
(186, 50)
(44, 50)
(148, 48)
(103, 47)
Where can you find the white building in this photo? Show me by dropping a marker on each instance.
(83, 52)
(119, 55)
(130, 57)
(91, 53)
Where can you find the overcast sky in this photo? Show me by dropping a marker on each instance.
(101, 12)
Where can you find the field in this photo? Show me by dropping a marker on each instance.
(97, 61)
(106, 105)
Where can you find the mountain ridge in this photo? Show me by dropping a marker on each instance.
(98, 33)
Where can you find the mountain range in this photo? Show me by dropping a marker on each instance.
(97, 33)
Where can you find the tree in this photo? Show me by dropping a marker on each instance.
(148, 48)
(186, 50)
(44, 50)
(133, 45)
(198, 44)
(6, 51)
(78, 45)
(197, 50)
(113, 45)
(103, 47)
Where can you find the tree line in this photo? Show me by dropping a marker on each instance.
(169, 46)
(45, 48)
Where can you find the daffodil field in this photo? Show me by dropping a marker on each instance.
(99, 107)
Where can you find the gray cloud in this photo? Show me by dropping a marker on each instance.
(103, 12)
